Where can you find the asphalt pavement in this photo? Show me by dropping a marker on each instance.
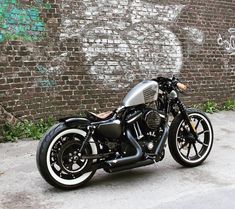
(164, 185)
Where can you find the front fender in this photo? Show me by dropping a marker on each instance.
(75, 122)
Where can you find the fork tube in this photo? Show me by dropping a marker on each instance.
(183, 111)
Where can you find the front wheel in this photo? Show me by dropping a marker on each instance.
(184, 148)
(58, 157)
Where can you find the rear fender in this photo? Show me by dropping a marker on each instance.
(75, 122)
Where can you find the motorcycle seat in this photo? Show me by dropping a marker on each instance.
(98, 117)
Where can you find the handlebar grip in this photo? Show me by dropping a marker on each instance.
(181, 86)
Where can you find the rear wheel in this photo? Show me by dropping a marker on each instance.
(59, 160)
(183, 147)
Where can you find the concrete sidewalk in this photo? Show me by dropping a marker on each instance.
(164, 185)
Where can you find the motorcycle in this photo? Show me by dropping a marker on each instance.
(131, 136)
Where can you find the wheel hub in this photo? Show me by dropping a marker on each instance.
(69, 157)
(190, 138)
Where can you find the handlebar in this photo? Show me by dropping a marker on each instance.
(171, 82)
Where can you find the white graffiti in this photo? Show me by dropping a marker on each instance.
(229, 45)
(195, 35)
(195, 39)
(122, 38)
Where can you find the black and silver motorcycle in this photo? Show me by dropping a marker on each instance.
(131, 136)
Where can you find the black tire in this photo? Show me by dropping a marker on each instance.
(178, 135)
(46, 170)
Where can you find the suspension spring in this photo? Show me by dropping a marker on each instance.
(181, 106)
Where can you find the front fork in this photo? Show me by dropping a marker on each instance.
(183, 112)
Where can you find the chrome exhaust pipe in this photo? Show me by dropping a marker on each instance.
(129, 159)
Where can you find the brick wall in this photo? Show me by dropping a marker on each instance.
(59, 57)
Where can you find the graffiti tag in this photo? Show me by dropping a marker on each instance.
(20, 22)
(229, 45)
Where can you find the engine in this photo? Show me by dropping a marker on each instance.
(147, 130)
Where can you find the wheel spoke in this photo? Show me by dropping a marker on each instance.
(183, 146)
(202, 143)
(202, 132)
(199, 121)
(189, 148)
(195, 148)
